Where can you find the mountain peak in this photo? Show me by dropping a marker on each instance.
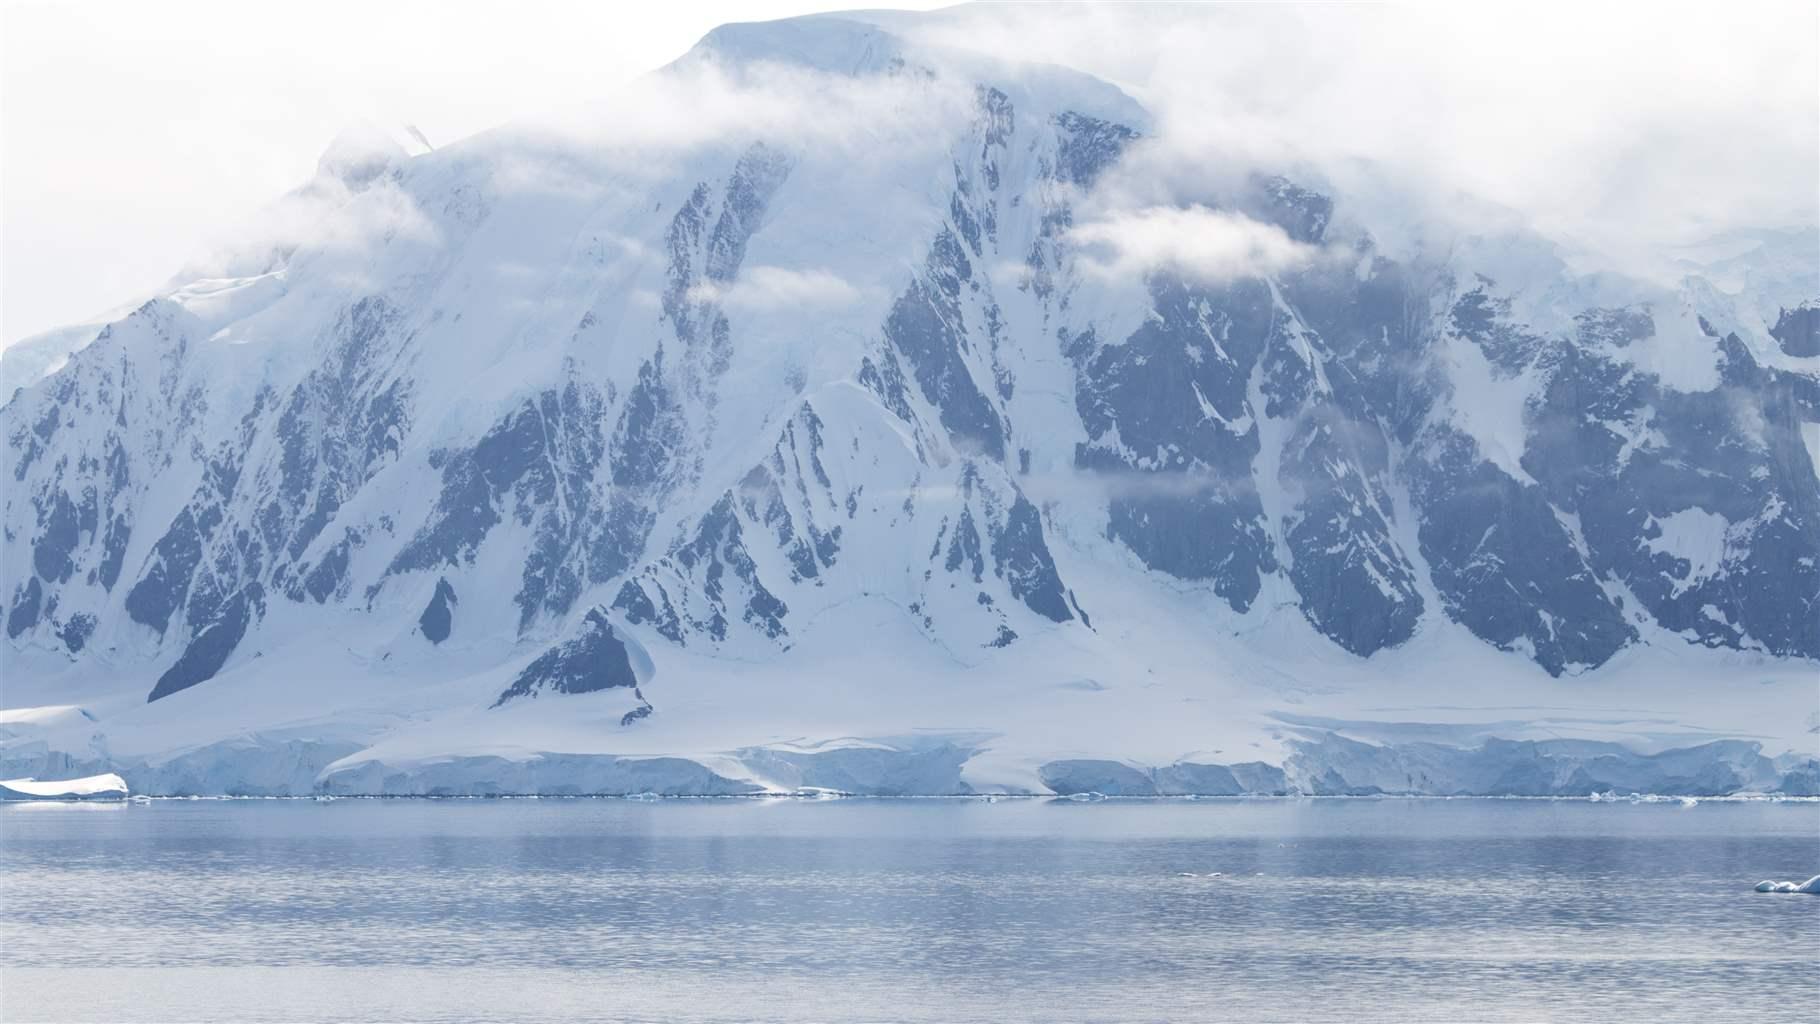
(851, 433)
(830, 43)
(364, 150)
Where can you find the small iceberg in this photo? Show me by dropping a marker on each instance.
(1811, 886)
(94, 787)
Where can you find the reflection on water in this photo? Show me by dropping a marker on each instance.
(905, 910)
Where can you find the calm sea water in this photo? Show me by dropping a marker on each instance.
(1340, 910)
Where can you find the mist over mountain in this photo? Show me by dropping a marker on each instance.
(843, 408)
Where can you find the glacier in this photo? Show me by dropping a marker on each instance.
(776, 453)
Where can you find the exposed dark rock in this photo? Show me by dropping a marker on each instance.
(1172, 433)
(28, 600)
(1020, 555)
(595, 658)
(1798, 330)
(1506, 567)
(927, 326)
(76, 631)
(439, 615)
(1088, 147)
(210, 646)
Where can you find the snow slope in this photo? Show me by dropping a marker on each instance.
(777, 430)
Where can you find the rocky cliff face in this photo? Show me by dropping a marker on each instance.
(566, 435)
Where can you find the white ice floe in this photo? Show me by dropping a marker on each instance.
(1811, 886)
(93, 787)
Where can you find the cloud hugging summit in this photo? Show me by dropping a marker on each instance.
(893, 422)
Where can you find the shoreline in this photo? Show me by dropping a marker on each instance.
(823, 797)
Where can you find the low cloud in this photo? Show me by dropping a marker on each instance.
(326, 221)
(1611, 134)
(1095, 485)
(654, 131)
(1202, 244)
(765, 289)
(652, 127)
(1072, 485)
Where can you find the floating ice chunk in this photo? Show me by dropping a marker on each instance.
(1811, 886)
(93, 787)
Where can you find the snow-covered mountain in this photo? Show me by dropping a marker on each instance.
(789, 453)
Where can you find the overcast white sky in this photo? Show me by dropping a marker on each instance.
(136, 132)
